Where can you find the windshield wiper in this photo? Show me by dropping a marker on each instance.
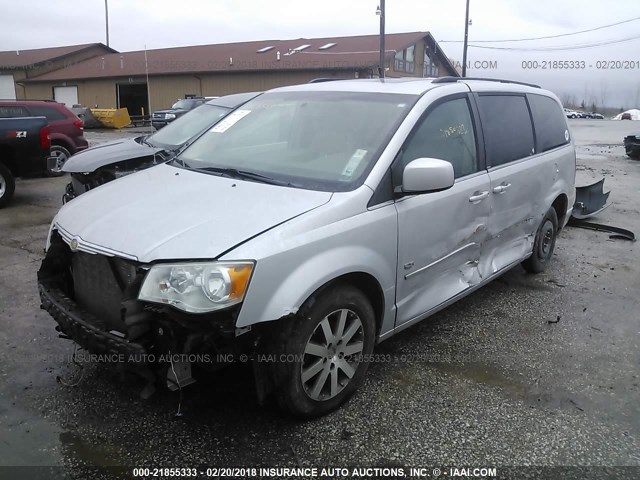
(243, 174)
(148, 143)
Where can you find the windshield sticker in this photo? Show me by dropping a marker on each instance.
(229, 121)
(353, 162)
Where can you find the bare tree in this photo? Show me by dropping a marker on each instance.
(604, 90)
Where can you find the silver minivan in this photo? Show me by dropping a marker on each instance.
(309, 224)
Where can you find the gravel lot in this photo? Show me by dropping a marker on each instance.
(530, 370)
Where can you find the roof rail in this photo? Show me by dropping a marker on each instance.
(322, 80)
(27, 100)
(457, 79)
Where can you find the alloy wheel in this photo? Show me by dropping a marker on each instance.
(331, 354)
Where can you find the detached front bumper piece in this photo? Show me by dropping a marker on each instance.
(84, 328)
(632, 146)
(590, 200)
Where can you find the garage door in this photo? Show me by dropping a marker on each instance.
(66, 95)
(7, 88)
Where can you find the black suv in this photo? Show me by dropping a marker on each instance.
(162, 118)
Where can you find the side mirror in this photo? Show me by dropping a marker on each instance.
(427, 175)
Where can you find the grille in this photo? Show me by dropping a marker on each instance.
(97, 289)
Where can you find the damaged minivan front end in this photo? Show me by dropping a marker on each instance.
(105, 305)
(159, 298)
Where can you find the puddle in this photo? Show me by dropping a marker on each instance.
(26, 440)
(93, 454)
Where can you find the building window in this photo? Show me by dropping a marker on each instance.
(429, 69)
(404, 61)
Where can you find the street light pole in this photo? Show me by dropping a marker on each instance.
(106, 16)
(381, 13)
(466, 38)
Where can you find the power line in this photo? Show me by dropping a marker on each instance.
(548, 36)
(559, 48)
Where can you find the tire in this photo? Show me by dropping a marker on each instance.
(543, 244)
(7, 185)
(62, 154)
(323, 373)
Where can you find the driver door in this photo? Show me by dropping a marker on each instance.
(440, 234)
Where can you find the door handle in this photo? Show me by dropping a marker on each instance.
(501, 188)
(478, 197)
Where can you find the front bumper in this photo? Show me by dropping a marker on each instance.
(158, 124)
(632, 146)
(84, 328)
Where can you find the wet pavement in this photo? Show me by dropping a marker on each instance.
(530, 370)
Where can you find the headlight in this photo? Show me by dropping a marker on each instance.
(197, 287)
(169, 116)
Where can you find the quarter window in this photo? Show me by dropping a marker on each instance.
(506, 124)
(548, 118)
(50, 113)
(445, 133)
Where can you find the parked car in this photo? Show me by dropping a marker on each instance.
(162, 118)
(24, 149)
(309, 224)
(626, 116)
(108, 161)
(596, 115)
(632, 146)
(67, 130)
(571, 113)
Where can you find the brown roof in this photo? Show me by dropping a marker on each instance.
(348, 52)
(22, 58)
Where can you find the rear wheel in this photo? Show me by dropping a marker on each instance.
(321, 359)
(7, 185)
(543, 244)
(61, 154)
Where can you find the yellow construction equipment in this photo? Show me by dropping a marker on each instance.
(112, 117)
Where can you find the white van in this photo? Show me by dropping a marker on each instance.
(311, 223)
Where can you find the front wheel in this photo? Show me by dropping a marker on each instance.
(543, 244)
(61, 155)
(322, 356)
(7, 185)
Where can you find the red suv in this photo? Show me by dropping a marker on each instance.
(67, 130)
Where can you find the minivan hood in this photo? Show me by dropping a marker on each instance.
(106, 154)
(168, 212)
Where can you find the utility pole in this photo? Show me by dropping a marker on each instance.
(380, 12)
(106, 16)
(466, 38)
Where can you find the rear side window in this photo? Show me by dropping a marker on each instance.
(548, 118)
(50, 113)
(506, 123)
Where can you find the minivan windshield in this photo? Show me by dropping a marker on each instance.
(183, 104)
(188, 126)
(325, 141)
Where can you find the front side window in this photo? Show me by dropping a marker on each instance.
(506, 124)
(316, 140)
(446, 133)
(13, 112)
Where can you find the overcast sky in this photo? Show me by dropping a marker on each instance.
(168, 23)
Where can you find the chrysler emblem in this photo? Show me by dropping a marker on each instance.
(74, 245)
